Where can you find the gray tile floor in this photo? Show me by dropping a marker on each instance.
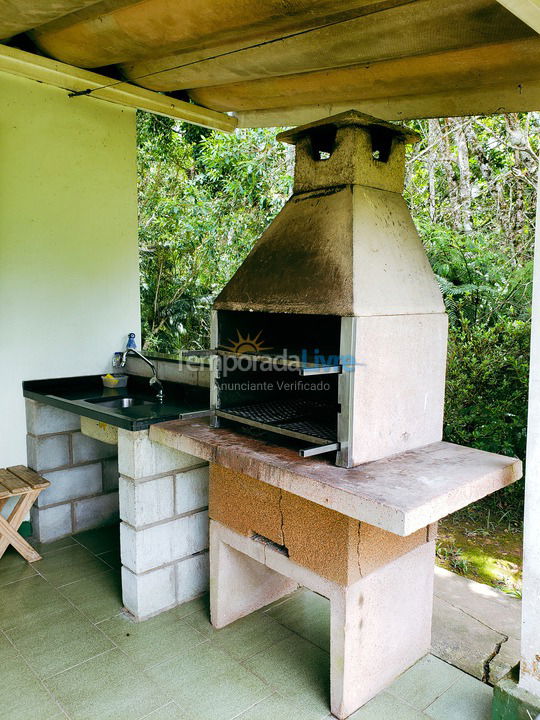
(67, 651)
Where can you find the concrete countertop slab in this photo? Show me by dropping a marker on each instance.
(401, 493)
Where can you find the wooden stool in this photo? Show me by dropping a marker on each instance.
(18, 481)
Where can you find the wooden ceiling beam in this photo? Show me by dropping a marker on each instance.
(511, 65)
(397, 32)
(528, 11)
(85, 83)
(452, 103)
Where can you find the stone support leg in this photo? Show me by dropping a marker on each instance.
(380, 625)
(240, 584)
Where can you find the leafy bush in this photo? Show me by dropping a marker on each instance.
(204, 198)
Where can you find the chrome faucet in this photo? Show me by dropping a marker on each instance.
(154, 380)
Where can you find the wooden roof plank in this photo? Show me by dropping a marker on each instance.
(487, 100)
(390, 34)
(502, 65)
(16, 17)
(146, 30)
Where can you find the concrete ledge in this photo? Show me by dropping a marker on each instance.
(511, 702)
(401, 494)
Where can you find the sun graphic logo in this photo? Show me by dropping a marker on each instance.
(246, 344)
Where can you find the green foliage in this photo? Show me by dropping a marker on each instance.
(204, 198)
(472, 191)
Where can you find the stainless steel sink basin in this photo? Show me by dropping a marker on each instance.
(120, 402)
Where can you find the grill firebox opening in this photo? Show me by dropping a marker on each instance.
(273, 373)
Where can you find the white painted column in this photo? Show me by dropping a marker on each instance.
(530, 640)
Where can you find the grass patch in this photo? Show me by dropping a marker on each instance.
(488, 551)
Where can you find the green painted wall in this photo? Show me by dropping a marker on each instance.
(69, 282)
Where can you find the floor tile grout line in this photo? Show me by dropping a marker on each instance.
(234, 657)
(445, 691)
(173, 657)
(406, 702)
(34, 673)
(12, 582)
(72, 667)
(328, 715)
(244, 660)
(155, 710)
(83, 616)
(101, 571)
(164, 662)
(52, 552)
(245, 710)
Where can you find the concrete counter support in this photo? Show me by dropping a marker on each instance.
(164, 528)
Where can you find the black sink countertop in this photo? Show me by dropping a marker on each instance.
(86, 396)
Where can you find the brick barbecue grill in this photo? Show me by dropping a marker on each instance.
(333, 332)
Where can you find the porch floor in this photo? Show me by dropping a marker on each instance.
(66, 650)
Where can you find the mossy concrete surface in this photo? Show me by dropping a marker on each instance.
(510, 702)
(490, 555)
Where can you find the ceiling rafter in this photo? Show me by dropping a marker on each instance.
(83, 83)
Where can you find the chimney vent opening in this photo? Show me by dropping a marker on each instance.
(323, 142)
(381, 142)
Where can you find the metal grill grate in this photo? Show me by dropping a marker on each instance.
(296, 417)
(312, 427)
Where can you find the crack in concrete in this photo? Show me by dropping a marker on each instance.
(490, 658)
(358, 554)
(282, 518)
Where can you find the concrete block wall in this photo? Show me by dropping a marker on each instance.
(83, 473)
(164, 528)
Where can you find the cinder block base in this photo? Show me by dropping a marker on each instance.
(511, 702)
(164, 528)
(192, 577)
(83, 473)
(51, 523)
(148, 594)
(380, 624)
